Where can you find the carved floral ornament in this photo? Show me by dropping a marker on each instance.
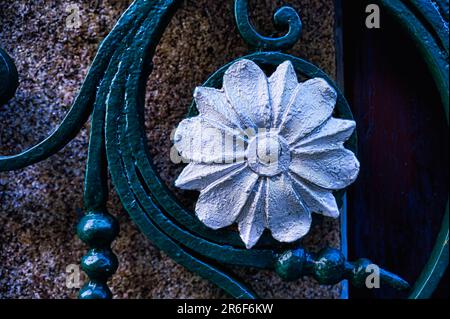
(265, 152)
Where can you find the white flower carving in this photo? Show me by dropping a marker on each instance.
(265, 152)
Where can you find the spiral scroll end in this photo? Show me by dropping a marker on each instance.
(285, 17)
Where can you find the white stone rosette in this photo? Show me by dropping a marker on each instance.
(265, 152)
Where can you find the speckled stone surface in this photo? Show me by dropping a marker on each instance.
(40, 205)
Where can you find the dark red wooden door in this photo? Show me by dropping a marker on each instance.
(397, 204)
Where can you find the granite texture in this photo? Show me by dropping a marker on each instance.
(40, 205)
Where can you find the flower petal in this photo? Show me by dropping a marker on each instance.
(247, 90)
(331, 135)
(333, 169)
(213, 104)
(317, 199)
(311, 105)
(252, 221)
(221, 202)
(287, 217)
(282, 85)
(204, 141)
(198, 176)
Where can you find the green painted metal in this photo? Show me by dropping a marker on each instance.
(436, 266)
(82, 107)
(285, 17)
(329, 267)
(429, 11)
(142, 193)
(114, 92)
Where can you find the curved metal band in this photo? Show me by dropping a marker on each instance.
(285, 17)
(156, 199)
(82, 107)
(127, 89)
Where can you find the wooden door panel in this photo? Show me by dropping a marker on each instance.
(396, 206)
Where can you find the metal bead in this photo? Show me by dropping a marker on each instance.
(95, 290)
(289, 265)
(97, 229)
(359, 273)
(329, 266)
(99, 264)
